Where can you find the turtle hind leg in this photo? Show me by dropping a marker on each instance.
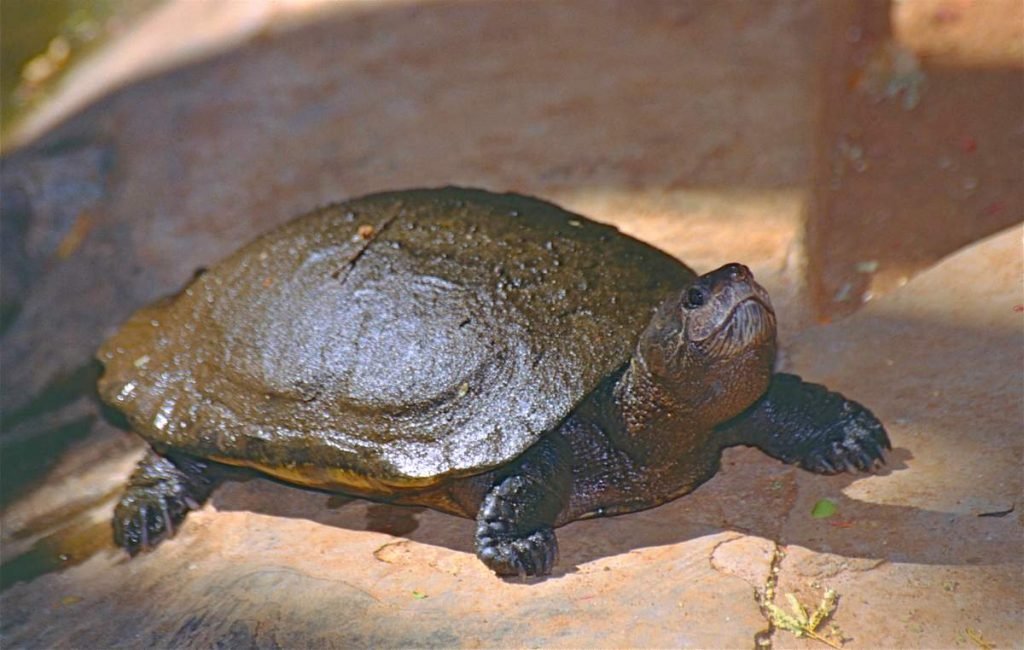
(810, 426)
(515, 522)
(160, 492)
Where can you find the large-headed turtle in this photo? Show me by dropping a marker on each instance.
(487, 355)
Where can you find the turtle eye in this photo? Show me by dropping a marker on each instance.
(695, 297)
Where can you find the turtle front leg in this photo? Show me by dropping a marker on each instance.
(515, 523)
(810, 426)
(160, 492)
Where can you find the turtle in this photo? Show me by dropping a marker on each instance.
(491, 356)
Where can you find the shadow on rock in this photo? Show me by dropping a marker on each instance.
(751, 494)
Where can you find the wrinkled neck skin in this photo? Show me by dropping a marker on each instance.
(662, 417)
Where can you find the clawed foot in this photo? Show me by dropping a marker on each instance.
(533, 555)
(810, 426)
(158, 496)
(857, 442)
(498, 543)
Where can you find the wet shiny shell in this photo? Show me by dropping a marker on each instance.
(390, 341)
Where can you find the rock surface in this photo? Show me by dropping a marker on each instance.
(933, 547)
(919, 555)
(691, 126)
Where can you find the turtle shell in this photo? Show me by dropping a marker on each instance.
(391, 341)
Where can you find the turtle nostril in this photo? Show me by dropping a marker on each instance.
(738, 272)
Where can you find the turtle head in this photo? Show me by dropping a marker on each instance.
(712, 346)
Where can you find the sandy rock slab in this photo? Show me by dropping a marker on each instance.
(927, 555)
(702, 149)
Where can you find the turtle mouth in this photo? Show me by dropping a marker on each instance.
(756, 293)
(755, 319)
(749, 322)
(726, 312)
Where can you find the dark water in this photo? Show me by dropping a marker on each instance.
(73, 535)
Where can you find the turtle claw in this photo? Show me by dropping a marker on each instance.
(159, 495)
(532, 555)
(857, 443)
(500, 542)
(145, 517)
